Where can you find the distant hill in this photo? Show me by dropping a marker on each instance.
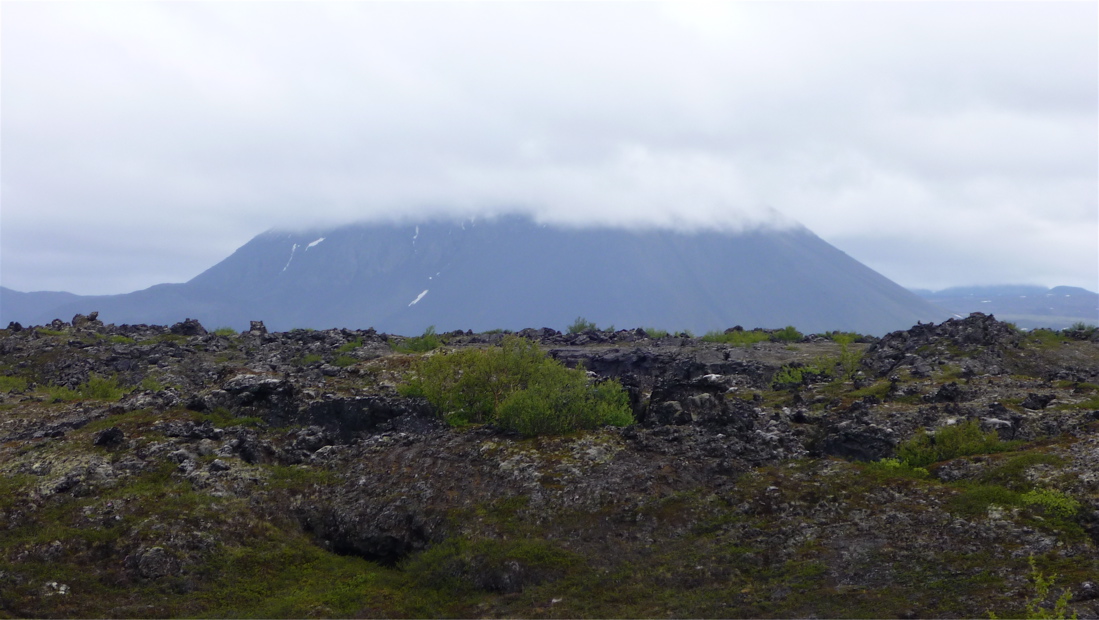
(1028, 307)
(512, 273)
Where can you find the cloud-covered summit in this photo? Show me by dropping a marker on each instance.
(940, 143)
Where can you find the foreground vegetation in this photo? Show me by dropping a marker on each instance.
(184, 488)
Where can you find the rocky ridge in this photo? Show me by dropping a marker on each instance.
(165, 471)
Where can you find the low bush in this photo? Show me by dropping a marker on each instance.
(787, 334)
(343, 361)
(428, 341)
(581, 325)
(849, 359)
(951, 442)
(738, 337)
(1052, 502)
(795, 374)
(895, 468)
(95, 388)
(347, 347)
(515, 386)
(225, 331)
(7, 384)
(655, 333)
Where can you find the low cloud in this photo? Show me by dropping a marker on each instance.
(151, 140)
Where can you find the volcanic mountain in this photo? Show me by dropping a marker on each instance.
(512, 272)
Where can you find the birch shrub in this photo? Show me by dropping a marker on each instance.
(517, 387)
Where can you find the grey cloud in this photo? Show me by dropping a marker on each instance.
(863, 121)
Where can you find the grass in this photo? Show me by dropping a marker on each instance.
(95, 388)
(343, 361)
(348, 347)
(7, 384)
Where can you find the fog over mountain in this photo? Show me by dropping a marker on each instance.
(511, 273)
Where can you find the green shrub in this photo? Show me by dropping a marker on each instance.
(8, 384)
(738, 338)
(1042, 586)
(347, 347)
(951, 442)
(151, 384)
(787, 334)
(95, 388)
(429, 341)
(1080, 331)
(517, 387)
(895, 468)
(975, 499)
(225, 331)
(795, 374)
(559, 399)
(343, 361)
(1052, 502)
(849, 359)
(581, 325)
(655, 333)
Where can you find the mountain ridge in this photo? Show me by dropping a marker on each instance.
(510, 272)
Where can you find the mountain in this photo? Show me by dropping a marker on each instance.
(1028, 307)
(512, 273)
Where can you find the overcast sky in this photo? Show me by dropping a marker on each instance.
(941, 143)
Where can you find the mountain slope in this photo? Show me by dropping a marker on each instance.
(1028, 307)
(511, 273)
